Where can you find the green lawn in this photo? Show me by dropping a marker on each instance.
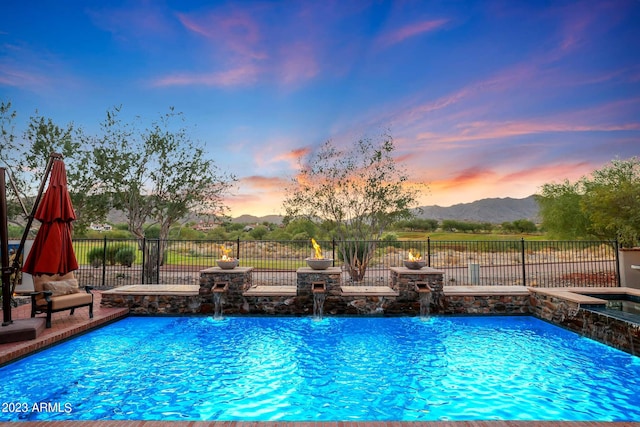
(465, 237)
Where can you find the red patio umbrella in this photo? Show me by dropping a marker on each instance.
(52, 251)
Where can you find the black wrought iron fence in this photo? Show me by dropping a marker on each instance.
(107, 263)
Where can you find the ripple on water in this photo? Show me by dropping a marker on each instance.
(188, 368)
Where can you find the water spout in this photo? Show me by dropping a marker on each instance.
(218, 289)
(319, 291)
(424, 294)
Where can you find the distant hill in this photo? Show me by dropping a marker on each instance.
(495, 211)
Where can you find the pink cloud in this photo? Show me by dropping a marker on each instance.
(298, 63)
(142, 23)
(412, 30)
(492, 131)
(550, 173)
(11, 76)
(235, 31)
(246, 75)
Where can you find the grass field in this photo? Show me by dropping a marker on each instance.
(465, 237)
(203, 253)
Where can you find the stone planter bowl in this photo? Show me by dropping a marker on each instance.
(319, 264)
(414, 265)
(227, 264)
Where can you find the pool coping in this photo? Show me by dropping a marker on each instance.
(579, 295)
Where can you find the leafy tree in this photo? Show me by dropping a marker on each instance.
(359, 190)
(605, 204)
(158, 174)
(519, 226)
(561, 211)
(27, 162)
(417, 224)
(9, 156)
(259, 232)
(612, 201)
(304, 228)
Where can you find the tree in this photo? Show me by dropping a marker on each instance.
(519, 226)
(9, 155)
(27, 161)
(157, 175)
(561, 211)
(605, 204)
(359, 191)
(612, 201)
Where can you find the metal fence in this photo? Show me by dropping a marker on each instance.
(107, 263)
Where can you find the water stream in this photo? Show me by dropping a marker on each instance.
(318, 304)
(217, 305)
(425, 304)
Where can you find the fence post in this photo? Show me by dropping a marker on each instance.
(615, 247)
(238, 249)
(104, 262)
(524, 267)
(144, 252)
(333, 251)
(158, 256)
(428, 251)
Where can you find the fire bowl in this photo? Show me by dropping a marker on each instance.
(319, 263)
(414, 265)
(227, 264)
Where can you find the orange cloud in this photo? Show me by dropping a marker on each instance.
(264, 182)
(294, 155)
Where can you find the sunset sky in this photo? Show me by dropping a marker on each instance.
(483, 98)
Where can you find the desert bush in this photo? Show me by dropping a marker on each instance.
(125, 256)
(94, 256)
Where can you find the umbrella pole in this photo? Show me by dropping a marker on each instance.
(4, 248)
(27, 228)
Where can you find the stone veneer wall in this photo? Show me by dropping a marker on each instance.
(154, 304)
(404, 281)
(608, 330)
(239, 280)
(486, 304)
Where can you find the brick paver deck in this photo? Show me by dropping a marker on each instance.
(63, 326)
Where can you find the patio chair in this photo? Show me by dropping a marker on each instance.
(58, 293)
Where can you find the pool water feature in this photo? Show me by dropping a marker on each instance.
(349, 369)
(621, 306)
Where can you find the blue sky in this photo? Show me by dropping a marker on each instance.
(483, 99)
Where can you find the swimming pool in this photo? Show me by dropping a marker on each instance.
(349, 369)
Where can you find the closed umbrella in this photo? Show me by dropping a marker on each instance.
(52, 250)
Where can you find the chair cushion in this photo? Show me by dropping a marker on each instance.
(71, 300)
(62, 287)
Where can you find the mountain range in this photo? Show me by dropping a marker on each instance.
(493, 210)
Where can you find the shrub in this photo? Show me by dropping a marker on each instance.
(126, 256)
(112, 250)
(94, 256)
(390, 240)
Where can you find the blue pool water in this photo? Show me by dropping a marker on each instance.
(460, 368)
